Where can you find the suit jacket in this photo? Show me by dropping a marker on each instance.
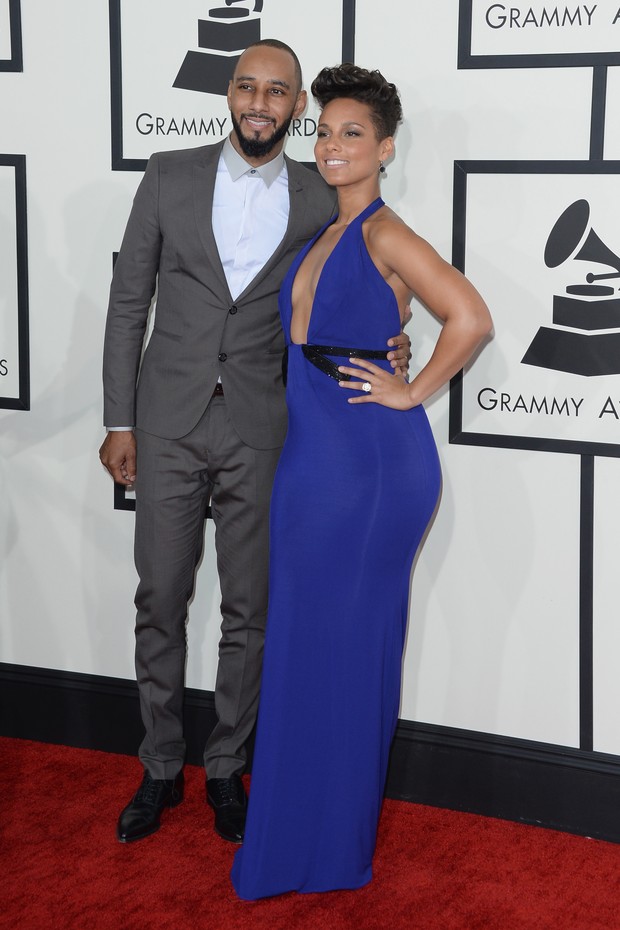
(199, 332)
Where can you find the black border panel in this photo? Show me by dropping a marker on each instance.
(537, 783)
(586, 604)
(18, 162)
(15, 62)
(348, 30)
(119, 162)
(466, 60)
(462, 169)
(597, 122)
(122, 502)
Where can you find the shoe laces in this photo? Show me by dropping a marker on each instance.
(228, 791)
(149, 790)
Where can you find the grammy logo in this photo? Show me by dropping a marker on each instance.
(224, 35)
(585, 309)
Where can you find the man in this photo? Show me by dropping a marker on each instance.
(215, 228)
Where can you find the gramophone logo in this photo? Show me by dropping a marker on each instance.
(589, 312)
(221, 39)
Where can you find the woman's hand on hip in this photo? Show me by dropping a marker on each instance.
(378, 386)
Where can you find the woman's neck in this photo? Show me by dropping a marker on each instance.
(353, 200)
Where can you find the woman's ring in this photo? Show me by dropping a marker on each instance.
(367, 386)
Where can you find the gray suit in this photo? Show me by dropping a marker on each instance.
(190, 446)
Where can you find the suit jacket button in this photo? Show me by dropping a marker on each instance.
(222, 356)
(233, 310)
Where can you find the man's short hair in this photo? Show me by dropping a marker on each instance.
(275, 43)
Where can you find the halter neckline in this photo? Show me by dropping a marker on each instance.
(366, 212)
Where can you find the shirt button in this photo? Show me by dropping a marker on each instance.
(253, 171)
(222, 356)
(233, 310)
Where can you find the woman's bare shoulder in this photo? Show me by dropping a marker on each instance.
(387, 231)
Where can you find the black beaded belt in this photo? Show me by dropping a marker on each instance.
(317, 355)
(218, 390)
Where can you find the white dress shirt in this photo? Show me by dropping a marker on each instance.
(250, 215)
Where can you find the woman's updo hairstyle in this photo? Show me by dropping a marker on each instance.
(370, 87)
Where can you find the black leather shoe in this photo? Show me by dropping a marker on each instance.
(228, 799)
(141, 816)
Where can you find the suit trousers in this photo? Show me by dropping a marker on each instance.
(175, 479)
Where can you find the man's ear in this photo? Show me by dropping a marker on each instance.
(301, 103)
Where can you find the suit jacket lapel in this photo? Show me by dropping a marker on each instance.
(205, 171)
(297, 201)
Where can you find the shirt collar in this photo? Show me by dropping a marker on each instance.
(237, 165)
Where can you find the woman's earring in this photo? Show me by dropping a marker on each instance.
(381, 168)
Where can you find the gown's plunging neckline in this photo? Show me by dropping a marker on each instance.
(377, 203)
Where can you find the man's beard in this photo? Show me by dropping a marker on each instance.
(257, 148)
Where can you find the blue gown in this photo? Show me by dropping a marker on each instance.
(355, 488)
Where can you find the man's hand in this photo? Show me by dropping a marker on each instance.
(399, 358)
(118, 455)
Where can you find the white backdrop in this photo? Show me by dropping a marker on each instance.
(493, 634)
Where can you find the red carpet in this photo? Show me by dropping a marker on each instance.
(61, 867)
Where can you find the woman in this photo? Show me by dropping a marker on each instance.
(354, 492)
